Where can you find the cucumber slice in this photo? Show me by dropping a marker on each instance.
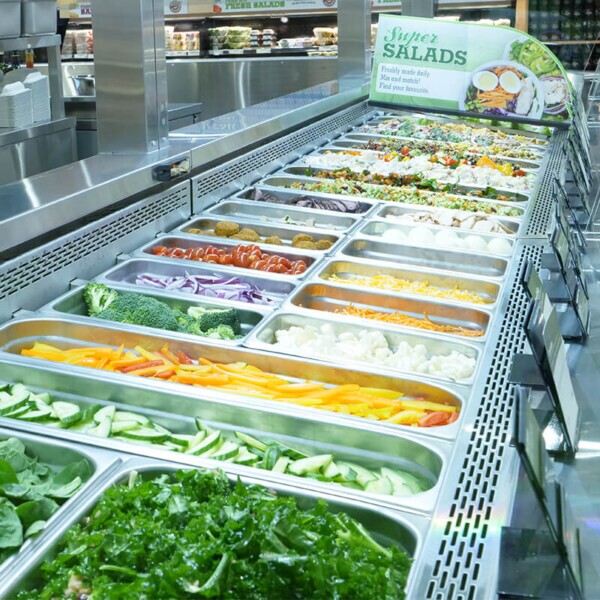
(121, 426)
(200, 426)
(363, 476)
(244, 457)
(123, 415)
(251, 441)
(272, 455)
(226, 451)
(66, 412)
(27, 407)
(145, 434)
(18, 390)
(206, 444)
(196, 439)
(42, 397)
(33, 415)
(104, 413)
(180, 440)
(331, 471)
(347, 473)
(382, 486)
(404, 484)
(291, 452)
(102, 429)
(10, 403)
(282, 464)
(312, 464)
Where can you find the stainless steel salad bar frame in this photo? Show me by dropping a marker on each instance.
(452, 529)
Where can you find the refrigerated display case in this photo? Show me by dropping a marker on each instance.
(377, 374)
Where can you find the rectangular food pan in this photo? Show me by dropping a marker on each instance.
(331, 299)
(302, 169)
(21, 334)
(388, 527)
(420, 455)
(73, 303)
(128, 273)
(358, 141)
(266, 338)
(434, 236)
(309, 257)
(405, 214)
(267, 213)
(56, 454)
(286, 234)
(458, 261)
(282, 180)
(541, 140)
(277, 195)
(344, 269)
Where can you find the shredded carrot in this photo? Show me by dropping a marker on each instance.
(248, 380)
(398, 318)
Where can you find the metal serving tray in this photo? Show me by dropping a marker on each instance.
(73, 303)
(389, 527)
(18, 334)
(363, 268)
(285, 232)
(458, 261)
(248, 194)
(426, 458)
(264, 339)
(56, 454)
(126, 273)
(376, 230)
(359, 140)
(390, 212)
(328, 298)
(266, 213)
(310, 257)
(281, 180)
(448, 119)
(300, 169)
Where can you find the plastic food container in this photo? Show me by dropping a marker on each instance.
(38, 17)
(10, 23)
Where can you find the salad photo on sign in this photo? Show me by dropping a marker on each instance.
(485, 71)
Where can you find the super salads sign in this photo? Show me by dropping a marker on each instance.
(484, 70)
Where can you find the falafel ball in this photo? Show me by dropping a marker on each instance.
(324, 244)
(249, 234)
(306, 245)
(301, 237)
(274, 239)
(226, 228)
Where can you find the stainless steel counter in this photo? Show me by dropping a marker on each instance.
(25, 152)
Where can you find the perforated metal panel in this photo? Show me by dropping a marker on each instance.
(248, 169)
(37, 277)
(542, 210)
(461, 553)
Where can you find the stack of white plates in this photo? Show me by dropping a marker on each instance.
(40, 87)
(16, 106)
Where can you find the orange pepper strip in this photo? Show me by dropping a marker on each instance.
(147, 372)
(127, 362)
(169, 355)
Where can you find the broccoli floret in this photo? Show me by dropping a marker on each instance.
(222, 332)
(211, 318)
(188, 324)
(137, 309)
(98, 297)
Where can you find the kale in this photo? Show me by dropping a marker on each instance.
(193, 534)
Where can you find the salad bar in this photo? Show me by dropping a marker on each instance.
(269, 398)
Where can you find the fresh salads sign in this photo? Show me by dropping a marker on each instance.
(236, 6)
(487, 71)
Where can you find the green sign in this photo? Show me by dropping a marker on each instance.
(483, 70)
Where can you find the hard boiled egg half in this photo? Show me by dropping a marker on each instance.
(511, 82)
(486, 81)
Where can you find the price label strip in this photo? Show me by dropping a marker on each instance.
(580, 217)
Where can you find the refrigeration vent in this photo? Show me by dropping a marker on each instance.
(93, 238)
(457, 573)
(277, 150)
(542, 211)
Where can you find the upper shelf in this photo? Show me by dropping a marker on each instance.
(23, 43)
